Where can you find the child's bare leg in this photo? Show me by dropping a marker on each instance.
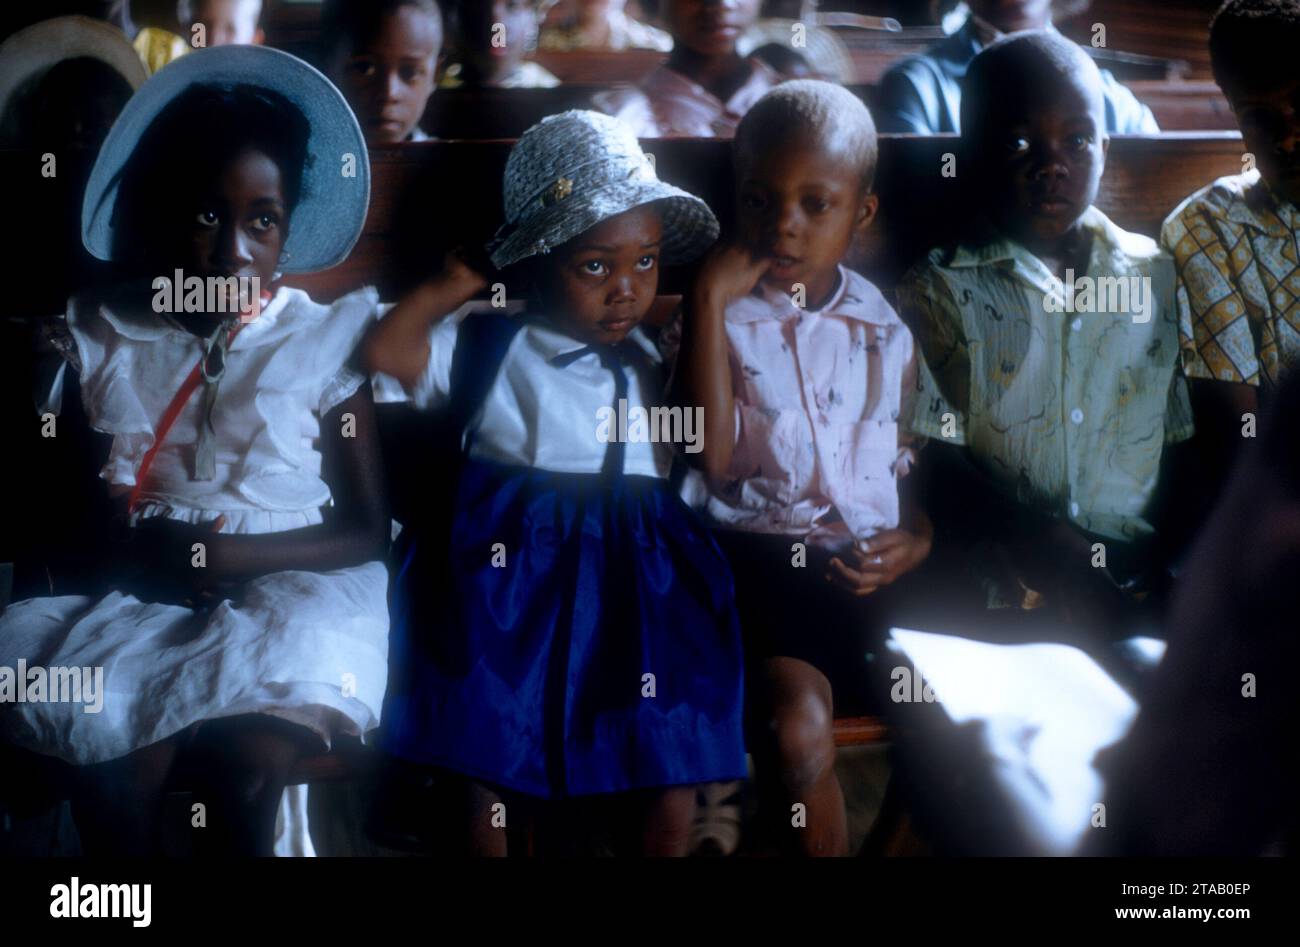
(795, 715)
(485, 823)
(666, 816)
(117, 805)
(243, 766)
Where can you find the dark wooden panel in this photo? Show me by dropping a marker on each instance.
(1178, 105)
(598, 66)
(1177, 31)
(1186, 106)
(428, 197)
(499, 113)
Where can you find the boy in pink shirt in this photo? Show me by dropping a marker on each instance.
(803, 371)
(706, 85)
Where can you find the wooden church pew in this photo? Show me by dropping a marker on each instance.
(423, 185)
(1196, 105)
(600, 67)
(429, 197)
(479, 114)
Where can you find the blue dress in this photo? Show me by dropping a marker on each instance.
(563, 634)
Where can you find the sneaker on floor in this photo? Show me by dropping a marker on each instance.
(715, 831)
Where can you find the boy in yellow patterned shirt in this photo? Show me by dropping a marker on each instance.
(1237, 242)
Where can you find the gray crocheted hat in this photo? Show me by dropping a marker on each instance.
(571, 171)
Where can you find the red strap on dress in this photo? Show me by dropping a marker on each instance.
(178, 402)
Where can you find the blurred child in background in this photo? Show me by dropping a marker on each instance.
(706, 86)
(202, 23)
(383, 54)
(490, 41)
(600, 24)
(922, 94)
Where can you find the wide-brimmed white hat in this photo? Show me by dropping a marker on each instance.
(571, 171)
(328, 219)
(30, 53)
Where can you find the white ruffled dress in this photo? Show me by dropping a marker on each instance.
(308, 647)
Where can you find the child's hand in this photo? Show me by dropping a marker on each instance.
(468, 273)
(729, 272)
(879, 561)
(165, 549)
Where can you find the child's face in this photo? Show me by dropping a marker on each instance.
(1012, 15)
(1044, 162)
(389, 80)
(601, 284)
(1270, 127)
(512, 23)
(228, 22)
(709, 27)
(801, 205)
(237, 224)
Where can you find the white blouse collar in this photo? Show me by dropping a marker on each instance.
(143, 325)
(551, 343)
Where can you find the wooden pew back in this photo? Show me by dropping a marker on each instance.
(1186, 106)
(478, 114)
(427, 198)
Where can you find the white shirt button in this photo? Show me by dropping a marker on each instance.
(1076, 325)
(1074, 508)
(1076, 416)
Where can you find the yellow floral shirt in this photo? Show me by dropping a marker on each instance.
(158, 47)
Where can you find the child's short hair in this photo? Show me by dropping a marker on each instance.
(198, 133)
(822, 111)
(1254, 43)
(1039, 59)
(359, 21)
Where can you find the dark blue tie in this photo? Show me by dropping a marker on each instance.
(613, 357)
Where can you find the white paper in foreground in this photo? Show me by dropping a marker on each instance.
(1049, 708)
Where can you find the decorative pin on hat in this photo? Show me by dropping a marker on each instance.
(574, 170)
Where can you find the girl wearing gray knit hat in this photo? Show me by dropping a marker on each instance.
(585, 640)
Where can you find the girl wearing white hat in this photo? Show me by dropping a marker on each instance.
(585, 641)
(243, 620)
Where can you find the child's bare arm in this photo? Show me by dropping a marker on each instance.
(399, 345)
(703, 376)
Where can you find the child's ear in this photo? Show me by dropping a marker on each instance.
(259, 37)
(866, 211)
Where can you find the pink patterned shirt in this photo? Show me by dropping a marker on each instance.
(669, 105)
(819, 395)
